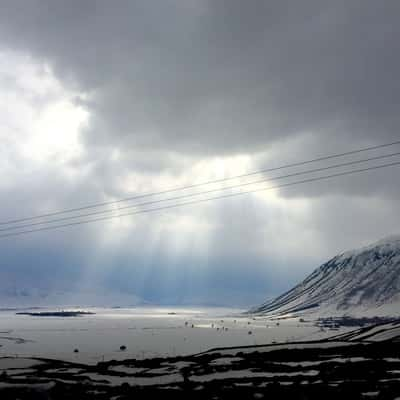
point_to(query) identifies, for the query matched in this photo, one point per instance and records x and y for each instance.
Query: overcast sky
(101, 100)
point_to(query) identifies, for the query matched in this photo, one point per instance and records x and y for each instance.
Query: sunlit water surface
(145, 331)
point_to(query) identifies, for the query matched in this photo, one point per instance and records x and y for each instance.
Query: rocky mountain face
(363, 280)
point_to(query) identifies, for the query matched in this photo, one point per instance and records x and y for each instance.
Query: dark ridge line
(317, 341)
(347, 336)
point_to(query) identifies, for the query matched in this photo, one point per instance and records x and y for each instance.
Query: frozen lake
(145, 331)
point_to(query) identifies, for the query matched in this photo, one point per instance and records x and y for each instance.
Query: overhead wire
(194, 185)
(190, 195)
(228, 195)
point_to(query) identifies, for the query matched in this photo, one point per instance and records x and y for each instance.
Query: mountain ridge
(365, 280)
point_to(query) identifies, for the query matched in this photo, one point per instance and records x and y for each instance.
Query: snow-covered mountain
(363, 281)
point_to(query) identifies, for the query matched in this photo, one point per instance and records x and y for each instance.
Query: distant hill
(33, 297)
(363, 281)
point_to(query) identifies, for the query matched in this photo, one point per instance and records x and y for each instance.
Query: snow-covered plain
(145, 331)
(348, 365)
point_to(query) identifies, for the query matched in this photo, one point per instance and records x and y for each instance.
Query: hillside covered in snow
(359, 282)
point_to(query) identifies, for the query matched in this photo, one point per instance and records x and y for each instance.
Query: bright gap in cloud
(55, 133)
(41, 119)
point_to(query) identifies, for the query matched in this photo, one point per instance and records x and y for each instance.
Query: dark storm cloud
(227, 76)
(168, 83)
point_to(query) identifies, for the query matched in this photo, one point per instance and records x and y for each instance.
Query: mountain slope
(364, 280)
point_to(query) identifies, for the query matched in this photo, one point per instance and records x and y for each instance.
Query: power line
(200, 200)
(261, 171)
(180, 197)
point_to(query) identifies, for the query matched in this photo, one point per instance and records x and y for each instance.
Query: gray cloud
(210, 77)
(171, 83)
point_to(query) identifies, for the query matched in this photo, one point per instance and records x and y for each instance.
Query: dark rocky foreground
(362, 365)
